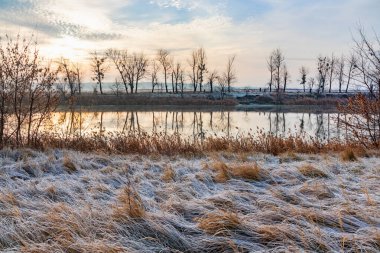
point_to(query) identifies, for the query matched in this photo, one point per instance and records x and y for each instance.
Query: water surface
(197, 123)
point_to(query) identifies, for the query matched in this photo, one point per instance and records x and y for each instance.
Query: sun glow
(67, 46)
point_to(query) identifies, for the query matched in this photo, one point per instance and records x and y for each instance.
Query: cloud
(249, 28)
(36, 15)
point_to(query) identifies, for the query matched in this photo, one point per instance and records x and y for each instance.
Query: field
(67, 201)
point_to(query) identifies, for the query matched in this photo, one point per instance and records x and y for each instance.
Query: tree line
(330, 71)
(162, 69)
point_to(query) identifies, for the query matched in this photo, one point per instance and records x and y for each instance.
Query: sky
(249, 29)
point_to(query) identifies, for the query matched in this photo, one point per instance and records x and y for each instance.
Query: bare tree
(271, 68)
(311, 83)
(323, 66)
(119, 59)
(230, 74)
(194, 73)
(78, 73)
(278, 61)
(141, 62)
(211, 79)
(340, 72)
(70, 77)
(176, 76)
(202, 59)
(303, 73)
(352, 63)
(331, 74)
(99, 69)
(367, 62)
(154, 74)
(130, 72)
(163, 56)
(182, 80)
(222, 82)
(285, 76)
(363, 120)
(116, 87)
(27, 91)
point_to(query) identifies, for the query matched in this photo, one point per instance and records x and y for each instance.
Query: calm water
(222, 123)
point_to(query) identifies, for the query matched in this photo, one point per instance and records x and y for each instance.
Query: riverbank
(67, 201)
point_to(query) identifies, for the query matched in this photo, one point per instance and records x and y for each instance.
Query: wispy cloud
(250, 28)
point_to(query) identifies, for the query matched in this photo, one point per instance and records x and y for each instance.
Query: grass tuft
(219, 223)
(129, 206)
(169, 174)
(247, 171)
(311, 171)
(69, 165)
(348, 155)
(221, 170)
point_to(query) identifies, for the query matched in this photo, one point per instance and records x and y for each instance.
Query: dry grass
(219, 223)
(68, 164)
(224, 172)
(348, 155)
(129, 206)
(123, 204)
(311, 171)
(8, 199)
(174, 144)
(169, 174)
(247, 171)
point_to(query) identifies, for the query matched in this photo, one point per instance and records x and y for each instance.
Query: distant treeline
(133, 67)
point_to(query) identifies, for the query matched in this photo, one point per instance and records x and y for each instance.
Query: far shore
(238, 101)
(200, 108)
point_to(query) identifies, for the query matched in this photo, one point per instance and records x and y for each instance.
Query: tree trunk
(166, 82)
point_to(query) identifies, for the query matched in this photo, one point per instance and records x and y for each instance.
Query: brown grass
(8, 199)
(219, 223)
(311, 171)
(222, 174)
(348, 155)
(175, 144)
(270, 233)
(129, 206)
(69, 165)
(169, 174)
(247, 171)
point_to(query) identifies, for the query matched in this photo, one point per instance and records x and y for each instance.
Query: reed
(175, 144)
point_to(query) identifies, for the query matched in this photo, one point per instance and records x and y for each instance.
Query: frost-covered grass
(66, 201)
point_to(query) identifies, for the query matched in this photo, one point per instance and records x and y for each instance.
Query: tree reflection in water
(196, 124)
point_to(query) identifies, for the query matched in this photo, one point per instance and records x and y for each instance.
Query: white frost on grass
(65, 201)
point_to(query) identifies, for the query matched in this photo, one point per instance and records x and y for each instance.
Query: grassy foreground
(67, 201)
